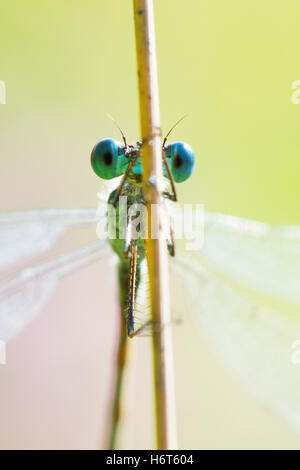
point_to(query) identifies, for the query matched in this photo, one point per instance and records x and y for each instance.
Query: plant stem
(156, 251)
(121, 357)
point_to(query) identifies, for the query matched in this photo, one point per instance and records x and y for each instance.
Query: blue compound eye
(107, 159)
(181, 159)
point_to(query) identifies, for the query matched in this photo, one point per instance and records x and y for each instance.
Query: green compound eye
(107, 159)
(181, 159)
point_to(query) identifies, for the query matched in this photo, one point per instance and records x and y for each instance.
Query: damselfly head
(110, 159)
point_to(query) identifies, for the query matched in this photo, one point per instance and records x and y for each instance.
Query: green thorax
(133, 192)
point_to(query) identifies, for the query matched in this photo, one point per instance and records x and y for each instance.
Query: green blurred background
(229, 66)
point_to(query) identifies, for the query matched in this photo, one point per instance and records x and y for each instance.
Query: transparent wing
(260, 257)
(259, 345)
(28, 233)
(23, 296)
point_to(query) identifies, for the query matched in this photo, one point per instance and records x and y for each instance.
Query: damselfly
(242, 268)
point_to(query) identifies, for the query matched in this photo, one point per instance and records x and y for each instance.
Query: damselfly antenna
(122, 133)
(173, 127)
